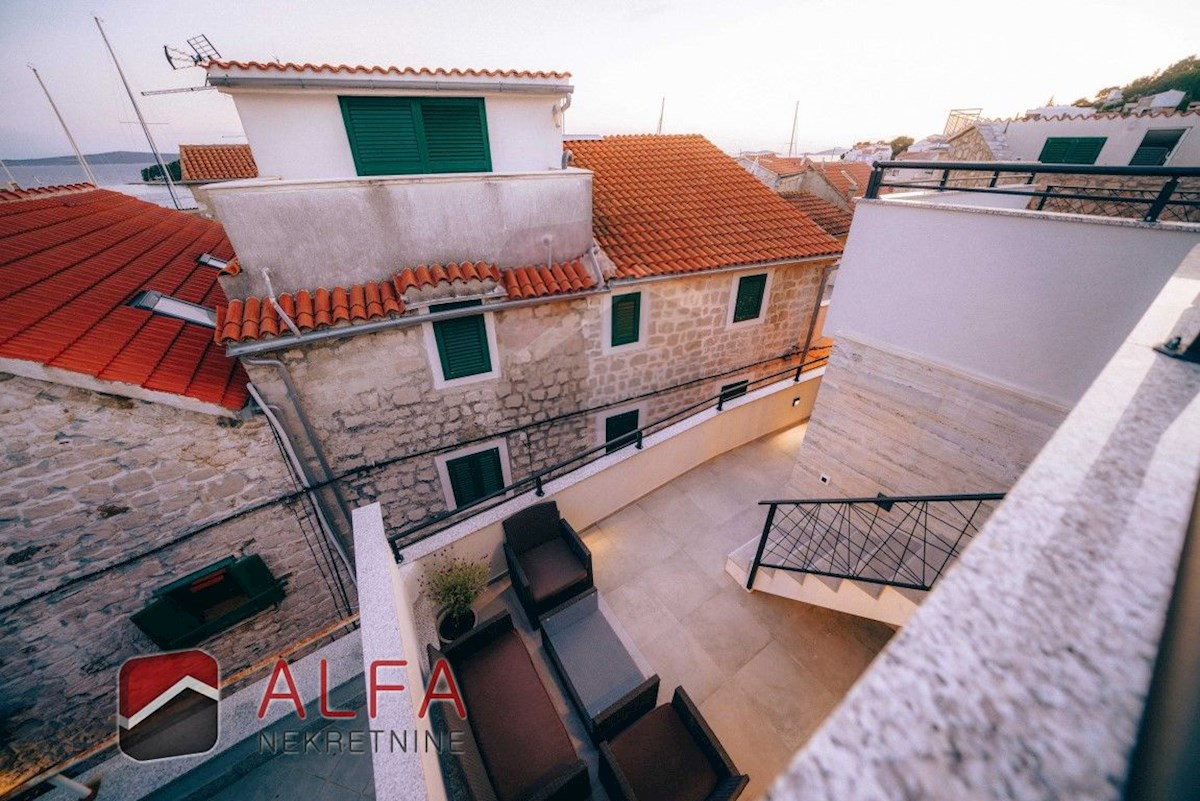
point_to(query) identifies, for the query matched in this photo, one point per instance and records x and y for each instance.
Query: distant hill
(111, 157)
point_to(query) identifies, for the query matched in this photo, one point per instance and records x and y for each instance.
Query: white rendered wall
(298, 134)
(1035, 301)
(1027, 137)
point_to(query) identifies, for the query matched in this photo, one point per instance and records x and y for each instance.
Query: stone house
(447, 335)
(133, 472)
(836, 182)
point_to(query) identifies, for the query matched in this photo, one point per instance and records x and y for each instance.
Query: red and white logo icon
(168, 705)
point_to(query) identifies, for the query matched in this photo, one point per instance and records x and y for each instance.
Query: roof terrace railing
(1152, 191)
(535, 482)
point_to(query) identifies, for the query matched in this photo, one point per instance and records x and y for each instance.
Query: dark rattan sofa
(514, 745)
(547, 561)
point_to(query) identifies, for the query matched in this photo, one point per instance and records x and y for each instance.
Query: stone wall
(99, 495)
(371, 397)
(892, 423)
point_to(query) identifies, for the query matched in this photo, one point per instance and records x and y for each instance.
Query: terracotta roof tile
(73, 258)
(436, 72)
(256, 318)
(848, 177)
(783, 165)
(21, 193)
(216, 162)
(832, 218)
(663, 205)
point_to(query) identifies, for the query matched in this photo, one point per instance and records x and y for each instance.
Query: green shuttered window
(750, 291)
(462, 345)
(475, 476)
(411, 135)
(626, 318)
(1072, 149)
(618, 430)
(1156, 146)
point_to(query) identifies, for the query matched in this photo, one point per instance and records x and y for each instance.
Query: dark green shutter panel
(1055, 150)
(1156, 147)
(165, 623)
(626, 318)
(256, 581)
(749, 297)
(734, 390)
(456, 135)
(463, 347)
(475, 476)
(618, 430)
(1072, 149)
(384, 135)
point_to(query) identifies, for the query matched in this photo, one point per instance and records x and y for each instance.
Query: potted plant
(454, 585)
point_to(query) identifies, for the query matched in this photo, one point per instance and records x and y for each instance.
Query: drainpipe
(275, 304)
(305, 481)
(812, 322)
(294, 399)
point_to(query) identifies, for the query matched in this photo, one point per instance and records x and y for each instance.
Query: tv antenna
(202, 50)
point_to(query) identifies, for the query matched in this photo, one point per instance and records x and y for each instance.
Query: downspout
(275, 305)
(294, 399)
(305, 480)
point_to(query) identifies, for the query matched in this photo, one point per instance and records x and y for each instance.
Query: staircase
(872, 557)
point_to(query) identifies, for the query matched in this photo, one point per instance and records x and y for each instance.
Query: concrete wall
(1037, 302)
(1026, 138)
(311, 234)
(893, 423)
(97, 491)
(300, 134)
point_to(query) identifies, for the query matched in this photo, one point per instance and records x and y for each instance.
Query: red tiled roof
(437, 72)
(783, 165)
(21, 193)
(665, 205)
(255, 318)
(848, 177)
(216, 162)
(72, 261)
(833, 219)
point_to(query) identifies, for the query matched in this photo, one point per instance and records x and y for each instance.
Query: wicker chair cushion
(661, 761)
(551, 567)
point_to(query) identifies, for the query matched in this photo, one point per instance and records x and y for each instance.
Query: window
(464, 344)
(173, 307)
(410, 135)
(208, 601)
(619, 430)
(748, 300)
(209, 260)
(626, 318)
(1156, 147)
(734, 390)
(475, 476)
(1072, 149)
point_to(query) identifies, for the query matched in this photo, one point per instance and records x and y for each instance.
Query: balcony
(337, 232)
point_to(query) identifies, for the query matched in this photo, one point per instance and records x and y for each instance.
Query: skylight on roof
(209, 260)
(168, 306)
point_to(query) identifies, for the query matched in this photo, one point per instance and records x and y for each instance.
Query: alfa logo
(167, 705)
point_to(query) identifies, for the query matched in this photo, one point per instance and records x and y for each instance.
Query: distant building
(837, 182)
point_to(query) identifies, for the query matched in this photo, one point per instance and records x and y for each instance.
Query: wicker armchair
(670, 754)
(547, 561)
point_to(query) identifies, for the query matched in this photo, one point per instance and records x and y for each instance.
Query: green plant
(455, 584)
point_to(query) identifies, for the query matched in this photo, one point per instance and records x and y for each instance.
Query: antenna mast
(12, 182)
(87, 171)
(661, 110)
(792, 141)
(137, 110)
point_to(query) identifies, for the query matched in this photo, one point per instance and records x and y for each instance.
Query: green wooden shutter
(1156, 146)
(257, 581)
(749, 297)
(475, 476)
(734, 390)
(165, 623)
(456, 134)
(384, 135)
(618, 430)
(626, 318)
(1072, 149)
(463, 346)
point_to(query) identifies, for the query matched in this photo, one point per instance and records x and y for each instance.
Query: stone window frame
(435, 357)
(732, 302)
(602, 416)
(607, 348)
(440, 460)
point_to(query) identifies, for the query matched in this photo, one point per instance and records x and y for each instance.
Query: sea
(126, 178)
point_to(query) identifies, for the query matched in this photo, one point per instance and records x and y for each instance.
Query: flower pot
(451, 627)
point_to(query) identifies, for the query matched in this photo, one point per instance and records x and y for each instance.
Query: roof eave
(314, 82)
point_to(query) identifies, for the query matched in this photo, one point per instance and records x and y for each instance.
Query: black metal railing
(536, 481)
(1165, 764)
(1021, 178)
(904, 541)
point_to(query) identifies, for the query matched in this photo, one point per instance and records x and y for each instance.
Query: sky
(732, 71)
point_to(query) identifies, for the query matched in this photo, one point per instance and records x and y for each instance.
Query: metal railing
(1021, 178)
(536, 481)
(905, 541)
(1165, 765)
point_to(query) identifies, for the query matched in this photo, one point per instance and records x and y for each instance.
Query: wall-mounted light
(795, 402)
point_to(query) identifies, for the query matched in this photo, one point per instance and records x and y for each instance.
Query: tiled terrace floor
(764, 670)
